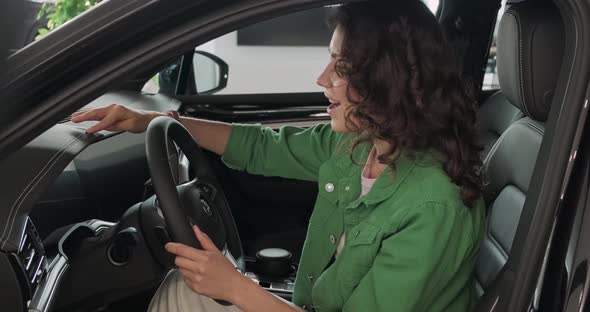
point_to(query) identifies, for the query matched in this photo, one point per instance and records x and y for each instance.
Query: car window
(490, 80)
(281, 55)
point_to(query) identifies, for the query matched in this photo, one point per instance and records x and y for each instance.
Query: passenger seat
(530, 51)
(499, 111)
(496, 114)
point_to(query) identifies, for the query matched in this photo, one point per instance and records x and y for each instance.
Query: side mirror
(197, 72)
(210, 72)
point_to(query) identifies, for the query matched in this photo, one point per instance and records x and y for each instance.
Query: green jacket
(411, 244)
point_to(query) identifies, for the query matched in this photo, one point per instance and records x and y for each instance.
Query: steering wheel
(200, 201)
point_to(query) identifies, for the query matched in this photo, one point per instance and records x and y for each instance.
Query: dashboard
(63, 174)
(60, 163)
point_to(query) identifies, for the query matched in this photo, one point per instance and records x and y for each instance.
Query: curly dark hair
(398, 61)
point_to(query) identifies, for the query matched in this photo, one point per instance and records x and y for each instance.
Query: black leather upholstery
(509, 167)
(528, 63)
(496, 115)
(534, 34)
(30, 171)
(530, 41)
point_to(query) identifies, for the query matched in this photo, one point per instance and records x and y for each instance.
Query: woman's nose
(324, 79)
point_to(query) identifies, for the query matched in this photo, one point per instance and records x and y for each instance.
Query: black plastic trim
(43, 298)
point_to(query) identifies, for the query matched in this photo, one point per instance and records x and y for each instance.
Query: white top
(366, 185)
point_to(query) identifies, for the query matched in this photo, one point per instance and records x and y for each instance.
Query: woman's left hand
(206, 271)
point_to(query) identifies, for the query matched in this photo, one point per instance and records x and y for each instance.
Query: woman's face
(335, 86)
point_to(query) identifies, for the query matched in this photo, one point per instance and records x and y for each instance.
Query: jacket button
(347, 188)
(329, 187)
(332, 239)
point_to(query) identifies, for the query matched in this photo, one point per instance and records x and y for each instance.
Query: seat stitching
(534, 126)
(524, 121)
(531, 125)
(493, 150)
(539, 126)
(520, 60)
(29, 188)
(36, 179)
(497, 244)
(51, 163)
(31, 181)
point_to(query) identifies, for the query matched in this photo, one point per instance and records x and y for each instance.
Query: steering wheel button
(329, 187)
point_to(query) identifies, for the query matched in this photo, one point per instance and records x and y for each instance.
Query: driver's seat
(530, 50)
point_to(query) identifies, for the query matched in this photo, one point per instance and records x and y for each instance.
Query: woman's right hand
(210, 135)
(116, 117)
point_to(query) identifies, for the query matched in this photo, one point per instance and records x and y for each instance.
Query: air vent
(32, 255)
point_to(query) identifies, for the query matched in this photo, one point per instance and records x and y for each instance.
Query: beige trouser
(175, 296)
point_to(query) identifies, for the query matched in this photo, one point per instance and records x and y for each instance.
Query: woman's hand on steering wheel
(208, 271)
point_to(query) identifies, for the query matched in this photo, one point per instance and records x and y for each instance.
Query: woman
(399, 216)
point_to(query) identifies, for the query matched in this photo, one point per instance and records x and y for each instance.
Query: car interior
(521, 109)
(93, 240)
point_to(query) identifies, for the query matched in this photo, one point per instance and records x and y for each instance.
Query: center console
(94, 264)
(111, 254)
(273, 269)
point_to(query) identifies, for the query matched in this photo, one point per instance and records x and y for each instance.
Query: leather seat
(496, 114)
(530, 50)
(498, 111)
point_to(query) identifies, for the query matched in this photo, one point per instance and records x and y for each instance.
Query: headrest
(530, 50)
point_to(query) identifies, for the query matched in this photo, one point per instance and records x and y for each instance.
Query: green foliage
(61, 11)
